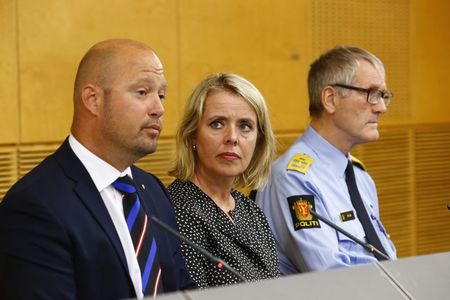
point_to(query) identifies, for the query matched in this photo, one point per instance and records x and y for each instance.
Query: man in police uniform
(347, 92)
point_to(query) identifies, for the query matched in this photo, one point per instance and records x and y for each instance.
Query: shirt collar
(102, 173)
(325, 151)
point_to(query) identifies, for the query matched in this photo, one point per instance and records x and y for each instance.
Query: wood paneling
(54, 35)
(9, 88)
(430, 60)
(31, 155)
(370, 24)
(265, 41)
(8, 168)
(432, 168)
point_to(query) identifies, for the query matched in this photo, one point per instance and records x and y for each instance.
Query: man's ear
(329, 98)
(91, 97)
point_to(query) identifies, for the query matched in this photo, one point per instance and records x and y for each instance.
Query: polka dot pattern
(247, 245)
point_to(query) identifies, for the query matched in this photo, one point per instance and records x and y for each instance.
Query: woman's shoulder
(244, 201)
(178, 189)
(183, 193)
(251, 218)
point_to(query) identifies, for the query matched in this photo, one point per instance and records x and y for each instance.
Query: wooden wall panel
(9, 88)
(46, 70)
(53, 36)
(265, 41)
(432, 168)
(8, 168)
(382, 27)
(31, 155)
(431, 60)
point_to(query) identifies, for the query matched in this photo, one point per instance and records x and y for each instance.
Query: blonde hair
(258, 170)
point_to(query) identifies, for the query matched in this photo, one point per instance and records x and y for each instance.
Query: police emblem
(299, 207)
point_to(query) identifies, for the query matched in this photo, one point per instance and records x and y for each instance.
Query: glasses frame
(383, 94)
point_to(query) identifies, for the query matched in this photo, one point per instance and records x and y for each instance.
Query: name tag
(347, 216)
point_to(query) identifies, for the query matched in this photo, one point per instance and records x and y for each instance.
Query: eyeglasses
(374, 95)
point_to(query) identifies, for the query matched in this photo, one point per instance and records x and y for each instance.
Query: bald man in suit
(63, 234)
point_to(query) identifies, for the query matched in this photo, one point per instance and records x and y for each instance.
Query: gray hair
(337, 65)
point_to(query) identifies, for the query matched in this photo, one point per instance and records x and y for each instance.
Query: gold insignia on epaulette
(300, 163)
(358, 163)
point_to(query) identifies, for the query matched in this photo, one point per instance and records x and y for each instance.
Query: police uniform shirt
(311, 174)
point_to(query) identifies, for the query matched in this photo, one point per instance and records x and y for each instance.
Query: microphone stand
(220, 263)
(367, 246)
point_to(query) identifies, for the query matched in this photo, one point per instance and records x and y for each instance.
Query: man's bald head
(98, 66)
(118, 95)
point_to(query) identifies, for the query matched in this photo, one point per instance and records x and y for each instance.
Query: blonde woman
(225, 140)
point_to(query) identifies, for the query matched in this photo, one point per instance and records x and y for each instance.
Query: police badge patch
(300, 206)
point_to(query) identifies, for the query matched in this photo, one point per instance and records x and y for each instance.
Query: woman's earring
(194, 148)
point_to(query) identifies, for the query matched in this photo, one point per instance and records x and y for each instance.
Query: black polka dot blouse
(247, 245)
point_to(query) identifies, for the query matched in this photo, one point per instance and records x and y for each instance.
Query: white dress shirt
(103, 175)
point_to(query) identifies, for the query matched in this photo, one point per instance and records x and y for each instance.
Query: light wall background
(270, 42)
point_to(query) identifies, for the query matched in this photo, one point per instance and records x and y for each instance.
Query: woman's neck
(218, 190)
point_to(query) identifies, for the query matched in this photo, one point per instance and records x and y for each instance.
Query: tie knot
(125, 184)
(349, 169)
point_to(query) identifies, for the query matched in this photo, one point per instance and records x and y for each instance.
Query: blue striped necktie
(143, 240)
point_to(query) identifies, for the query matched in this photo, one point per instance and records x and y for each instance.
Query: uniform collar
(325, 151)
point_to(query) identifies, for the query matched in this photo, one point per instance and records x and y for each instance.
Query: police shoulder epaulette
(358, 163)
(300, 162)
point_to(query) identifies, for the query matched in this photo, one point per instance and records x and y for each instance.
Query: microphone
(219, 263)
(367, 246)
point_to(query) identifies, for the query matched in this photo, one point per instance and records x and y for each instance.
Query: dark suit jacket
(57, 240)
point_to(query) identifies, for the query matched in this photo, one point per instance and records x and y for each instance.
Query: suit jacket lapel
(88, 194)
(144, 189)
